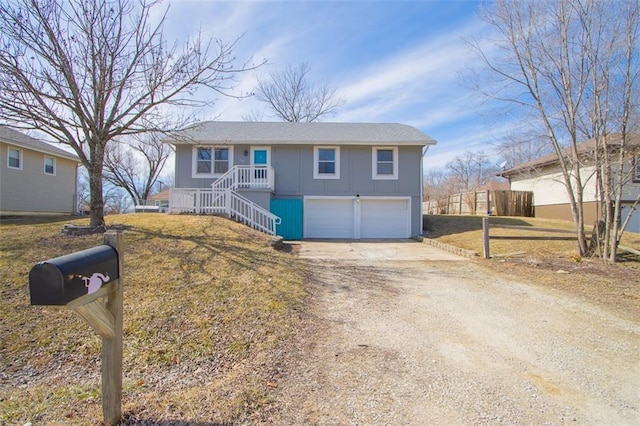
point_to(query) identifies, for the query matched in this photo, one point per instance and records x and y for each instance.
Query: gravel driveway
(403, 333)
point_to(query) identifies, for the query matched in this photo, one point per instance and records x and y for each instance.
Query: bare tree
(136, 167)
(559, 59)
(436, 184)
(470, 170)
(86, 72)
(116, 200)
(293, 98)
(516, 149)
(83, 198)
(613, 105)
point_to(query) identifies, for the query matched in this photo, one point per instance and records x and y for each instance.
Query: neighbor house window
(385, 162)
(636, 168)
(49, 166)
(14, 158)
(211, 161)
(326, 162)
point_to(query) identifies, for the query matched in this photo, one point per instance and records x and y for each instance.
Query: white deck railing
(251, 214)
(222, 198)
(250, 177)
(193, 200)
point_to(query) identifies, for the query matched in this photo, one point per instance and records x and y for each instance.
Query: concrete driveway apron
(373, 251)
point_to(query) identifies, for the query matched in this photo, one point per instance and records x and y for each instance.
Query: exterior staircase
(223, 198)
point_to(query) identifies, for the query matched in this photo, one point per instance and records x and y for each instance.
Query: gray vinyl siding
(260, 197)
(294, 173)
(293, 166)
(31, 190)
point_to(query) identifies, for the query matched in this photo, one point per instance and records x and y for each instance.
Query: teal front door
(260, 157)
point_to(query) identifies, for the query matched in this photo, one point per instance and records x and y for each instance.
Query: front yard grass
(466, 232)
(207, 306)
(547, 258)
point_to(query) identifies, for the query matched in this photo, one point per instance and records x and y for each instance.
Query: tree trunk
(597, 237)
(615, 231)
(96, 205)
(577, 207)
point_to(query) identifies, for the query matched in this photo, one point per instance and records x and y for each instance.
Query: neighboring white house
(544, 178)
(304, 180)
(35, 176)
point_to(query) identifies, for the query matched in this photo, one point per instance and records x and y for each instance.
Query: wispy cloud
(419, 78)
(390, 64)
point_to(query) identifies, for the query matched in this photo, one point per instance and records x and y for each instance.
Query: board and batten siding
(31, 190)
(294, 178)
(293, 166)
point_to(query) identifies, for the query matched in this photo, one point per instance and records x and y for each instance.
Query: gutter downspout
(424, 152)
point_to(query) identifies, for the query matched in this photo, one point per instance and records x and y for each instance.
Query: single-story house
(36, 176)
(304, 180)
(544, 178)
(160, 199)
(158, 203)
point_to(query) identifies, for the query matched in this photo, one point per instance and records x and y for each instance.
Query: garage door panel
(384, 219)
(329, 218)
(349, 218)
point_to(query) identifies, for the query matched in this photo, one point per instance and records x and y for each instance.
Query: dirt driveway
(403, 333)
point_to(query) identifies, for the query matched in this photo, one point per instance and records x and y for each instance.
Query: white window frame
(194, 161)
(54, 165)
(316, 163)
(374, 163)
(20, 158)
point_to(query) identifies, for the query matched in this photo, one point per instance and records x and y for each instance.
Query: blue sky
(392, 61)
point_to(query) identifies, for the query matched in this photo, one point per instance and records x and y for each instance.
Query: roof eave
(298, 142)
(70, 156)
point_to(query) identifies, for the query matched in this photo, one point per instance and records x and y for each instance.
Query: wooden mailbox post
(90, 283)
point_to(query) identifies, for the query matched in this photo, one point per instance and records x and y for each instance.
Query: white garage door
(329, 218)
(384, 218)
(347, 218)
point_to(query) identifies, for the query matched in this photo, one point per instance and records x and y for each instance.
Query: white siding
(550, 189)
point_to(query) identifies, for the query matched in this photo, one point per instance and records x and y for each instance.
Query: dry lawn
(208, 305)
(210, 308)
(548, 258)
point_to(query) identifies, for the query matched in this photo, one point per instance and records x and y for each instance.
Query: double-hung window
(14, 158)
(636, 168)
(385, 162)
(326, 162)
(211, 161)
(49, 166)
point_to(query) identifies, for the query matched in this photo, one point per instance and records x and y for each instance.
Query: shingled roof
(13, 137)
(266, 133)
(584, 148)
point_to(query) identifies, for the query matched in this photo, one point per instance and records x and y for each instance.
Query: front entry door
(260, 157)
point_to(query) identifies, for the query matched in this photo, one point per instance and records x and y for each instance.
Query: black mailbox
(59, 281)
